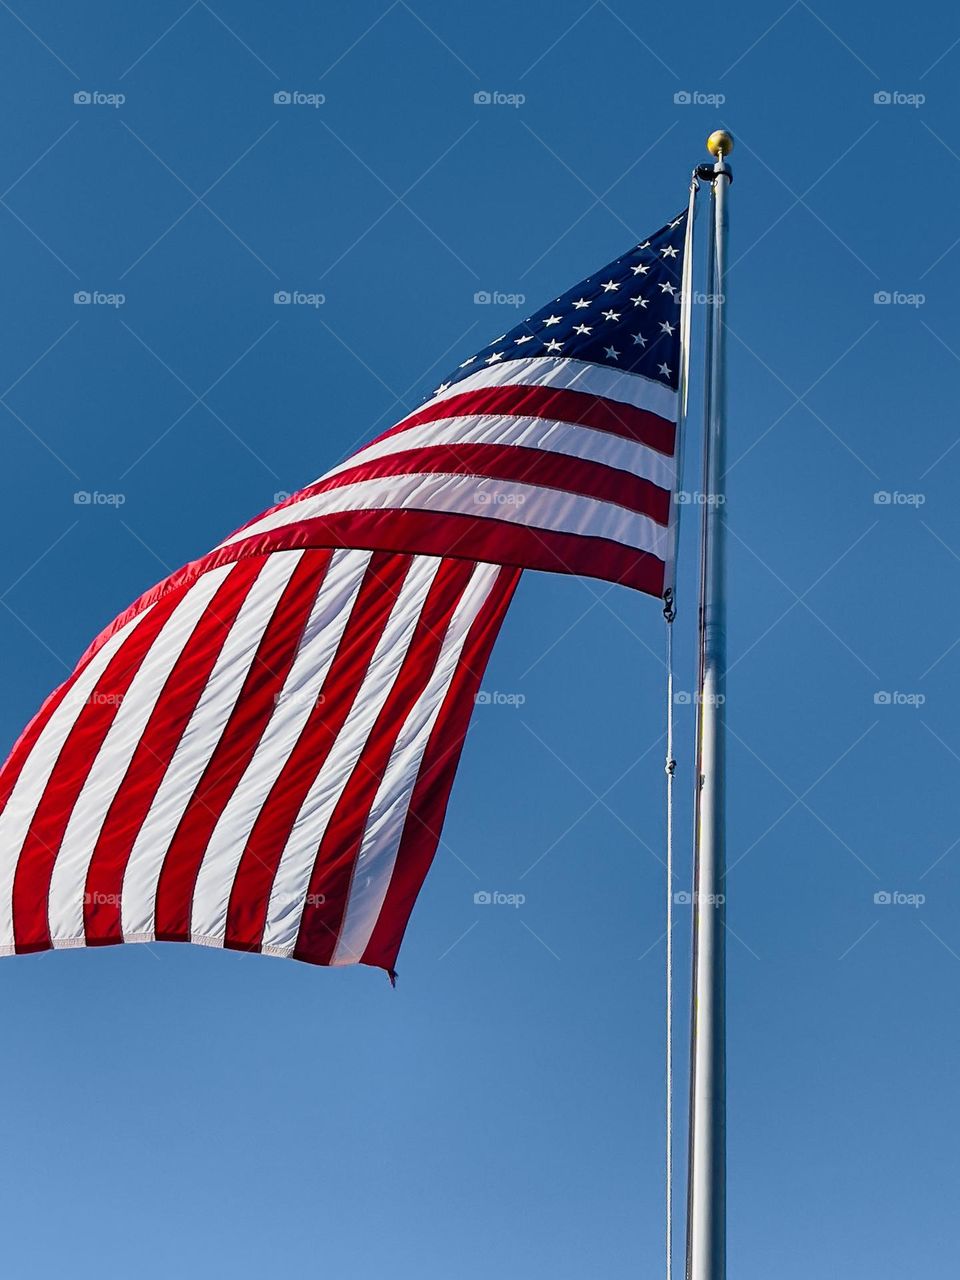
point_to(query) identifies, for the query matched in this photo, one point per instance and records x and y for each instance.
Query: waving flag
(258, 753)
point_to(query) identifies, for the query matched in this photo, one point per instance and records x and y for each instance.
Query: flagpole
(706, 1185)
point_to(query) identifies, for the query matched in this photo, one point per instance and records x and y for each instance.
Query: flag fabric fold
(258, 758)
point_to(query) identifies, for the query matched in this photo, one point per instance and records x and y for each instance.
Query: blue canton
(627, 316)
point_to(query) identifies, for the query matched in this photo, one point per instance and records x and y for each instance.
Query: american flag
(259, 752)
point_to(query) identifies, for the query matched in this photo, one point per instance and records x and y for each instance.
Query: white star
(611, 353)
(639, 340)
(668, 288)
(645, 245)
(676, 222)
(581, 303)
(610, 285)
(582, 328)
(552, 320)
(664, 369)
(492, 359)
(640, 269)
(527, 337)
(554, 345)
(496, 340)
(667, 327)
(442, 387)
(611, 315)
(669, 251)
(469, 360)
(640, 301)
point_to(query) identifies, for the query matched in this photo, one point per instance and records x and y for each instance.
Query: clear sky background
(172, 1110)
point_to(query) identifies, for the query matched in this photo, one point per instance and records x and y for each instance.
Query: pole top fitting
(720, 143)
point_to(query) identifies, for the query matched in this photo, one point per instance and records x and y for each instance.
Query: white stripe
(388, 814)
(67, 883)
(574, 375)
(544, 434)
(198, 743)
(296, 863)
(524, 504)
(28, 790)
(298, 698)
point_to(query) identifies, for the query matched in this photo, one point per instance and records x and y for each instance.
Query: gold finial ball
(720, 143)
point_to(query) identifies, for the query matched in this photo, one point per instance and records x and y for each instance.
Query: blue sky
(176, 1109)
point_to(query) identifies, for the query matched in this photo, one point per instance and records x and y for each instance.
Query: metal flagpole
(706, 1186)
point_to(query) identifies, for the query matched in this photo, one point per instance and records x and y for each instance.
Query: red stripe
(250, 895)
(154, 751)
(515, 463)
(428, 803)
(440, 533)
(579, 408)
(31, 884)
(253, 709)
(329, 886)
